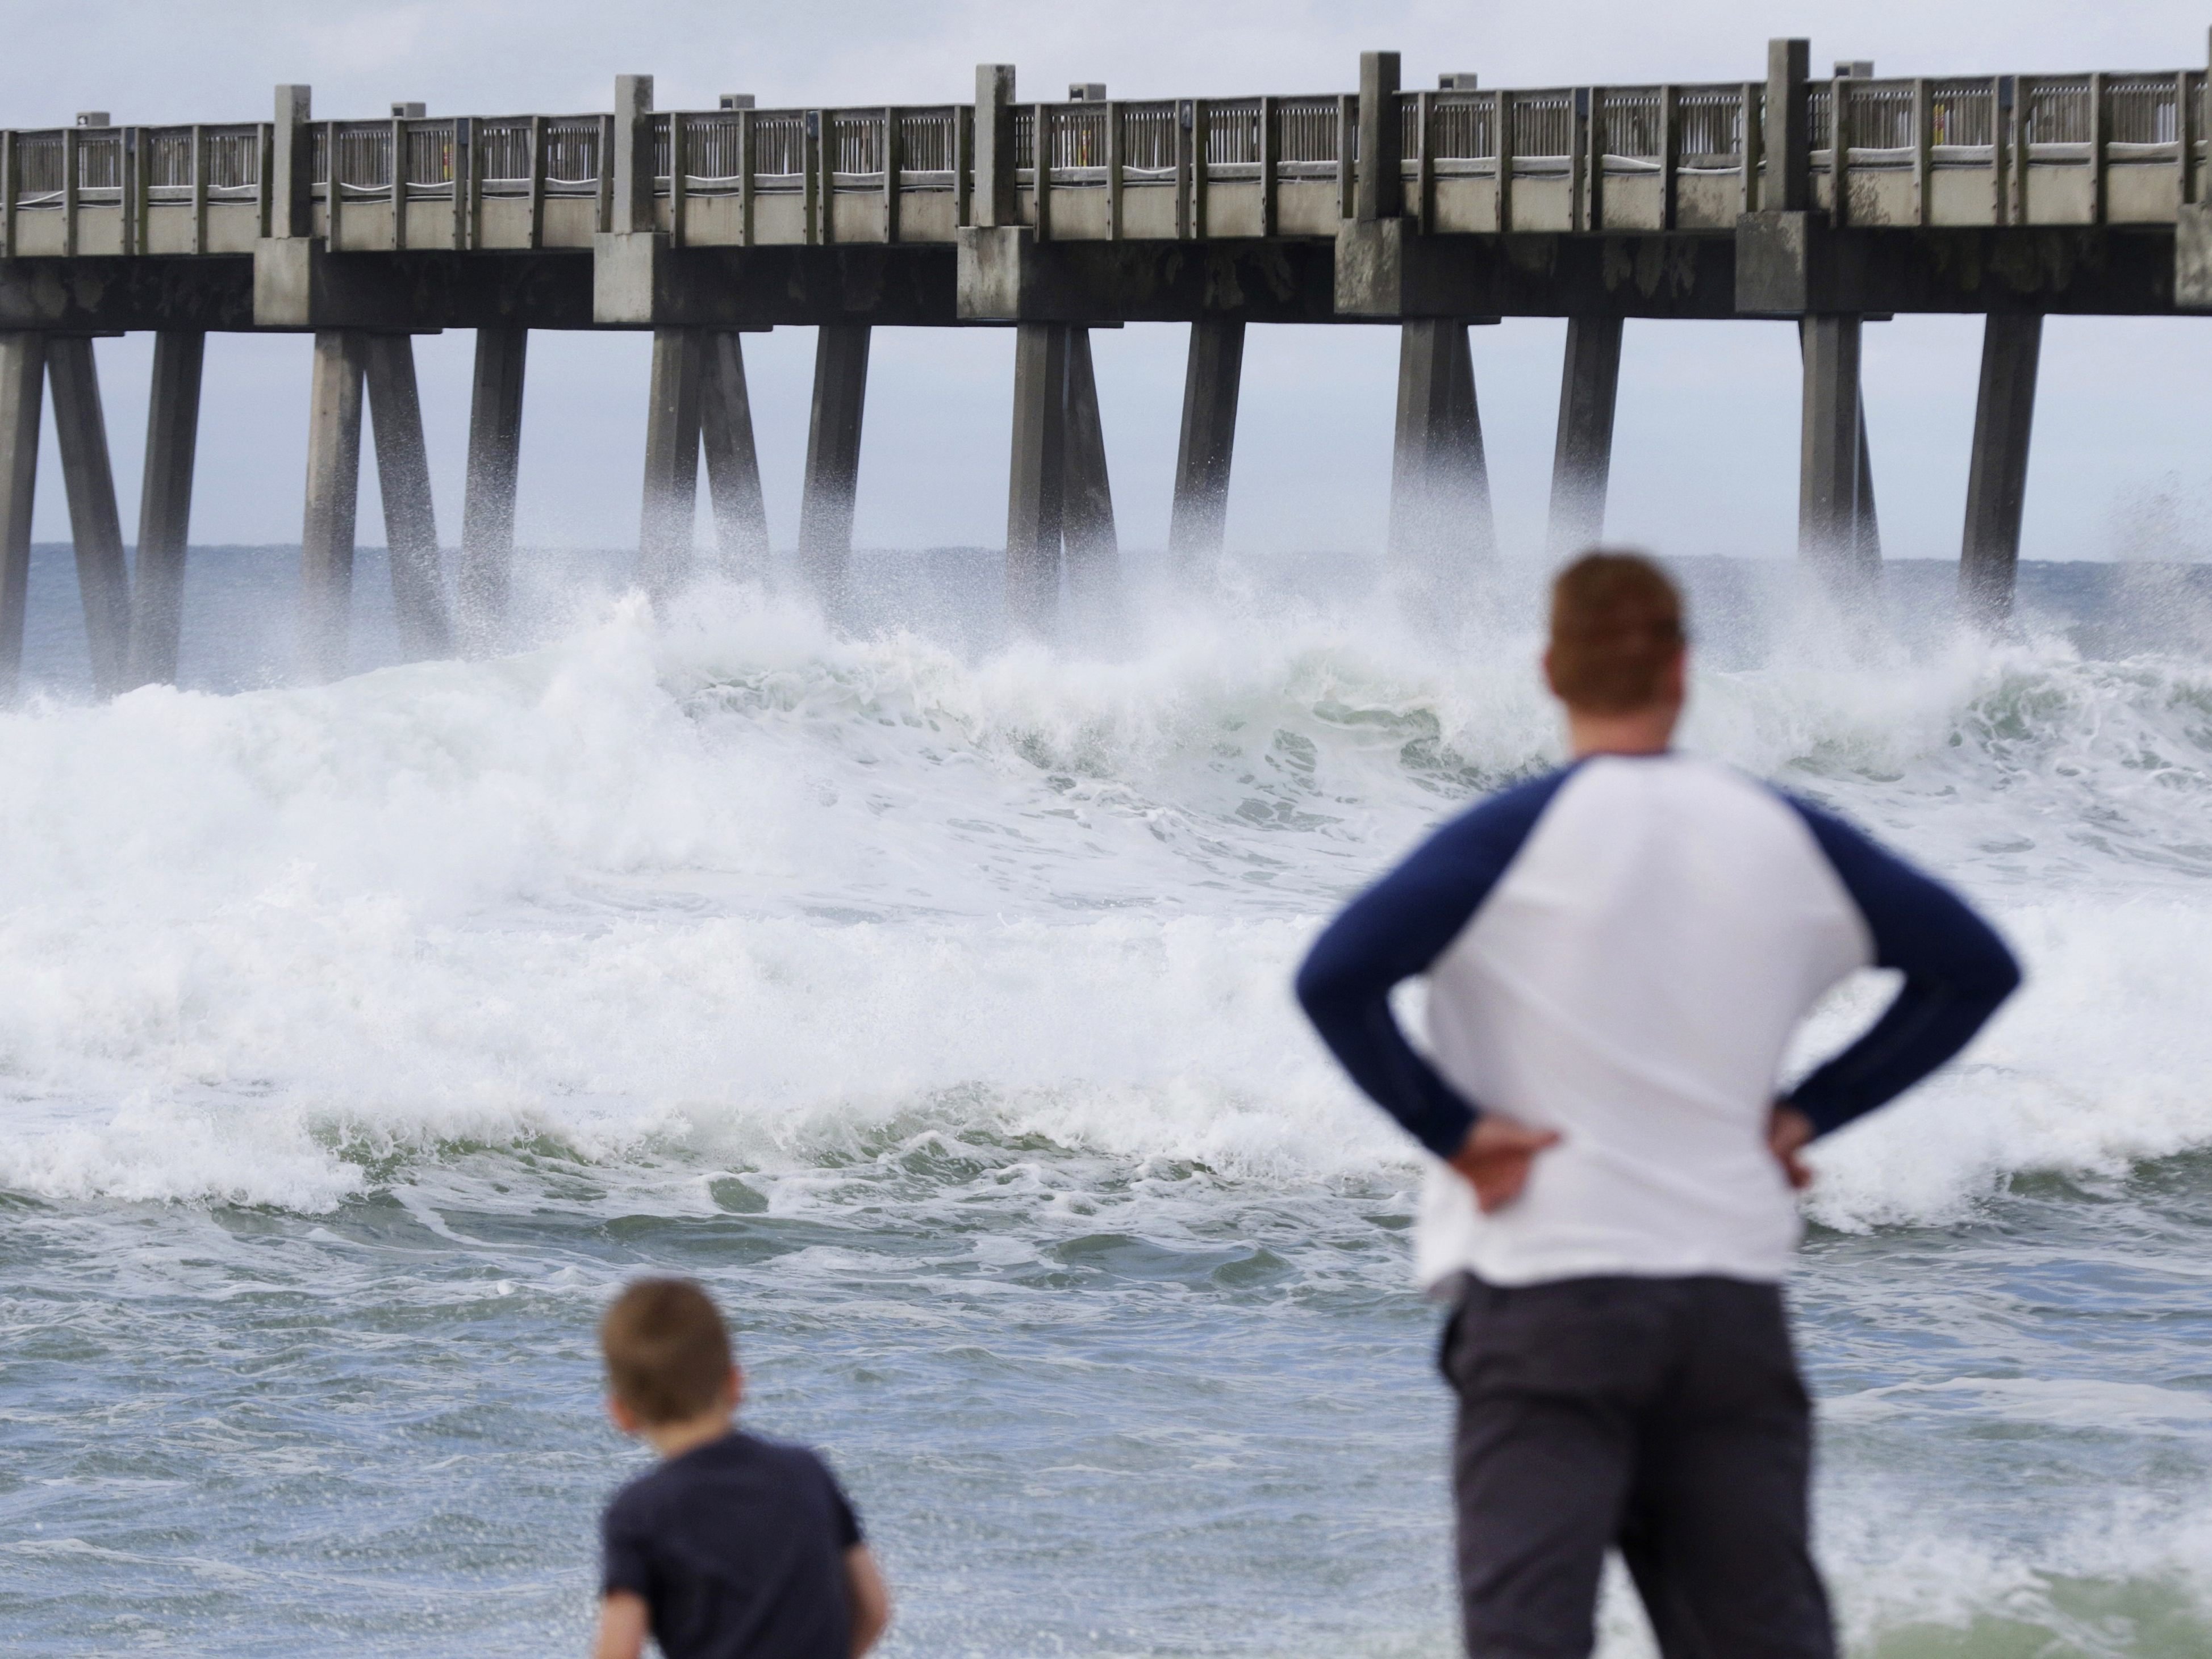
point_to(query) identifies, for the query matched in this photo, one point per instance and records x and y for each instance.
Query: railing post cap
(634, 95)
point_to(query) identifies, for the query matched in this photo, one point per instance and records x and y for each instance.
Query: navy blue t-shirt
(738, 1548)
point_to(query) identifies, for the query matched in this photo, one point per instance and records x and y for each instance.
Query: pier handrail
(2094, 147)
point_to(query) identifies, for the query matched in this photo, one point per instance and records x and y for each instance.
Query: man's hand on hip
(1495, 1158)
(1789, 1131)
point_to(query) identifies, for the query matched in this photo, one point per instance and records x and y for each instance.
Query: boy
(734, 1547)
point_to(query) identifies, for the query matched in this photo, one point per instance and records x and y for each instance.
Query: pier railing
(2072, 149)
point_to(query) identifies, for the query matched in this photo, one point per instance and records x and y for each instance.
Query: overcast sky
(1705, 450)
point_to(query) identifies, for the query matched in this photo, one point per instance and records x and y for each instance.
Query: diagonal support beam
(1199, 518)
(1093, 552)
(668, 518)
(1833, 491)
(1996, 481)
(1036, 494)
(102, 577)
(165, 506)
(403, 478)
(488, 505)
(1441, 522)
(1581, 454)
(833, 459)
(733, 481)
(22, 403)
(326, 536)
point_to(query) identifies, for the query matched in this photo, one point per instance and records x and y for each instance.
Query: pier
(1827, 200)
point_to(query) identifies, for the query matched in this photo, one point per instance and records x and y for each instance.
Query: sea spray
(929, 998)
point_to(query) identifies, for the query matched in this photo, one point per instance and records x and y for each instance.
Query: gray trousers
(1663, 1416)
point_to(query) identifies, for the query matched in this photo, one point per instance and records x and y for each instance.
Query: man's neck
(1636, 732)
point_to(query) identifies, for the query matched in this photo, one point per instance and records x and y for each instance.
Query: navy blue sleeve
(843, 1520)
(1393, 932)
(623, 1565)
(1956, 970)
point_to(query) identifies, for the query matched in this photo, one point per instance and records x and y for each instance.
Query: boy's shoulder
(738, 1466)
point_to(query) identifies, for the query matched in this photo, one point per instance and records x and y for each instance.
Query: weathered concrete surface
(1788, 265)
(298, 283)
(1006, 275)
(639, 281)
(1387, 271)
(211, 291)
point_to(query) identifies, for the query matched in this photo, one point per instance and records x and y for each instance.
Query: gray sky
(1705, 453)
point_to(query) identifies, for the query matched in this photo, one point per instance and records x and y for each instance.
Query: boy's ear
(737, 1385)
(623, 1416)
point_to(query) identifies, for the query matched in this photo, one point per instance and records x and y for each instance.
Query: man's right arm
(1396, 930)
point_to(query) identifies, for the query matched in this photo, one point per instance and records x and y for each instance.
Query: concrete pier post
(291, 163)
(488, 505)
(1868, 522)
(633, 170)
(733, 482)
(1035, 496)
(833, 458)
(994, 201)
(22, 402)
(1786, 139)
(670, 513)
(1211, 377)
(102, 577)
(1378, 190)
(1094, 554)
(403, 478)
(1440, 513)
(1832, 442)
(1582, 453)
(1997, 481)
(165, 506)
(333, 493)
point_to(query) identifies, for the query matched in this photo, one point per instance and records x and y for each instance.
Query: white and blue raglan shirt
(1621, 951)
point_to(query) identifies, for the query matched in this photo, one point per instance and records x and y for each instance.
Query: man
(1617, 954)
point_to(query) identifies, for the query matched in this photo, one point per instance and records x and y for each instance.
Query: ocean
(927, 995)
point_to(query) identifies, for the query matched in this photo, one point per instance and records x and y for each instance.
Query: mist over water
(927, 994)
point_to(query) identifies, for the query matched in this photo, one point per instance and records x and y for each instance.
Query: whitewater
(927, 995)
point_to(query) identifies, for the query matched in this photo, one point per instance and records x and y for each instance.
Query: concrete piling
(1441, 524)
(1832, 442)
(1582, 453)
(1996, 479)
(833, 459)
(488, 505)
(1866, 519)
(326, 536)
(165, 506)
(733, 482)
(672, 461)
(22, 402)
(103, 578)
(1093, 552)
(403, 478)
(1211, 377)
(1036, 498)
